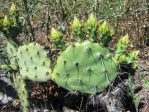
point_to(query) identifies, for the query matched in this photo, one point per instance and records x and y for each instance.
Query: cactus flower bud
(123, 44)
(121, 58)
(132, 56)
(6, 22)
(55, 35)
(76, 24)
(135, 54)
(77, 29)
(105, 27)
(92, 21)
(105, 33)
(92, 27)
(124, 40)
(57, 38)
(12, 9)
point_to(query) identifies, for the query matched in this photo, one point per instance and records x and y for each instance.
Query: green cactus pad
(20, 86)
(11, 52)
(85, 67)
(34, 64)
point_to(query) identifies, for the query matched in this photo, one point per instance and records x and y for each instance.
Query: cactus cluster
(33, 62)
(87, 66)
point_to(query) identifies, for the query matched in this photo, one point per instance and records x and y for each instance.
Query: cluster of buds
(121, 56)
(96, 31)
(10, 20)
(93, 29)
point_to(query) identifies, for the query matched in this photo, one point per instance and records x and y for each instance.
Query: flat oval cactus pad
(85, 67)
(34, 64)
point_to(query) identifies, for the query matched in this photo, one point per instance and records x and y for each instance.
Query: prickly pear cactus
(34, 64)
(20, 86)
(85, 67)
(11, 52)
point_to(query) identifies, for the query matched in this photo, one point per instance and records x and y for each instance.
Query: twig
(47, 20)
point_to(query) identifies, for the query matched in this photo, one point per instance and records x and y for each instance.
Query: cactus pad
(11, 52)
(85, 67)
(20, 86)
(34, 63)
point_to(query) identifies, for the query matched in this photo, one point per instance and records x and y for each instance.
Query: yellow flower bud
(105, 27)
(12, 9)
(6, 22)
(76, 24)
(55, 35)
(120, 58)
(134, 54)
(92, 20)
(124, 40)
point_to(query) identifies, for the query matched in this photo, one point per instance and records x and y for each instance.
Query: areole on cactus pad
(85, 67)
